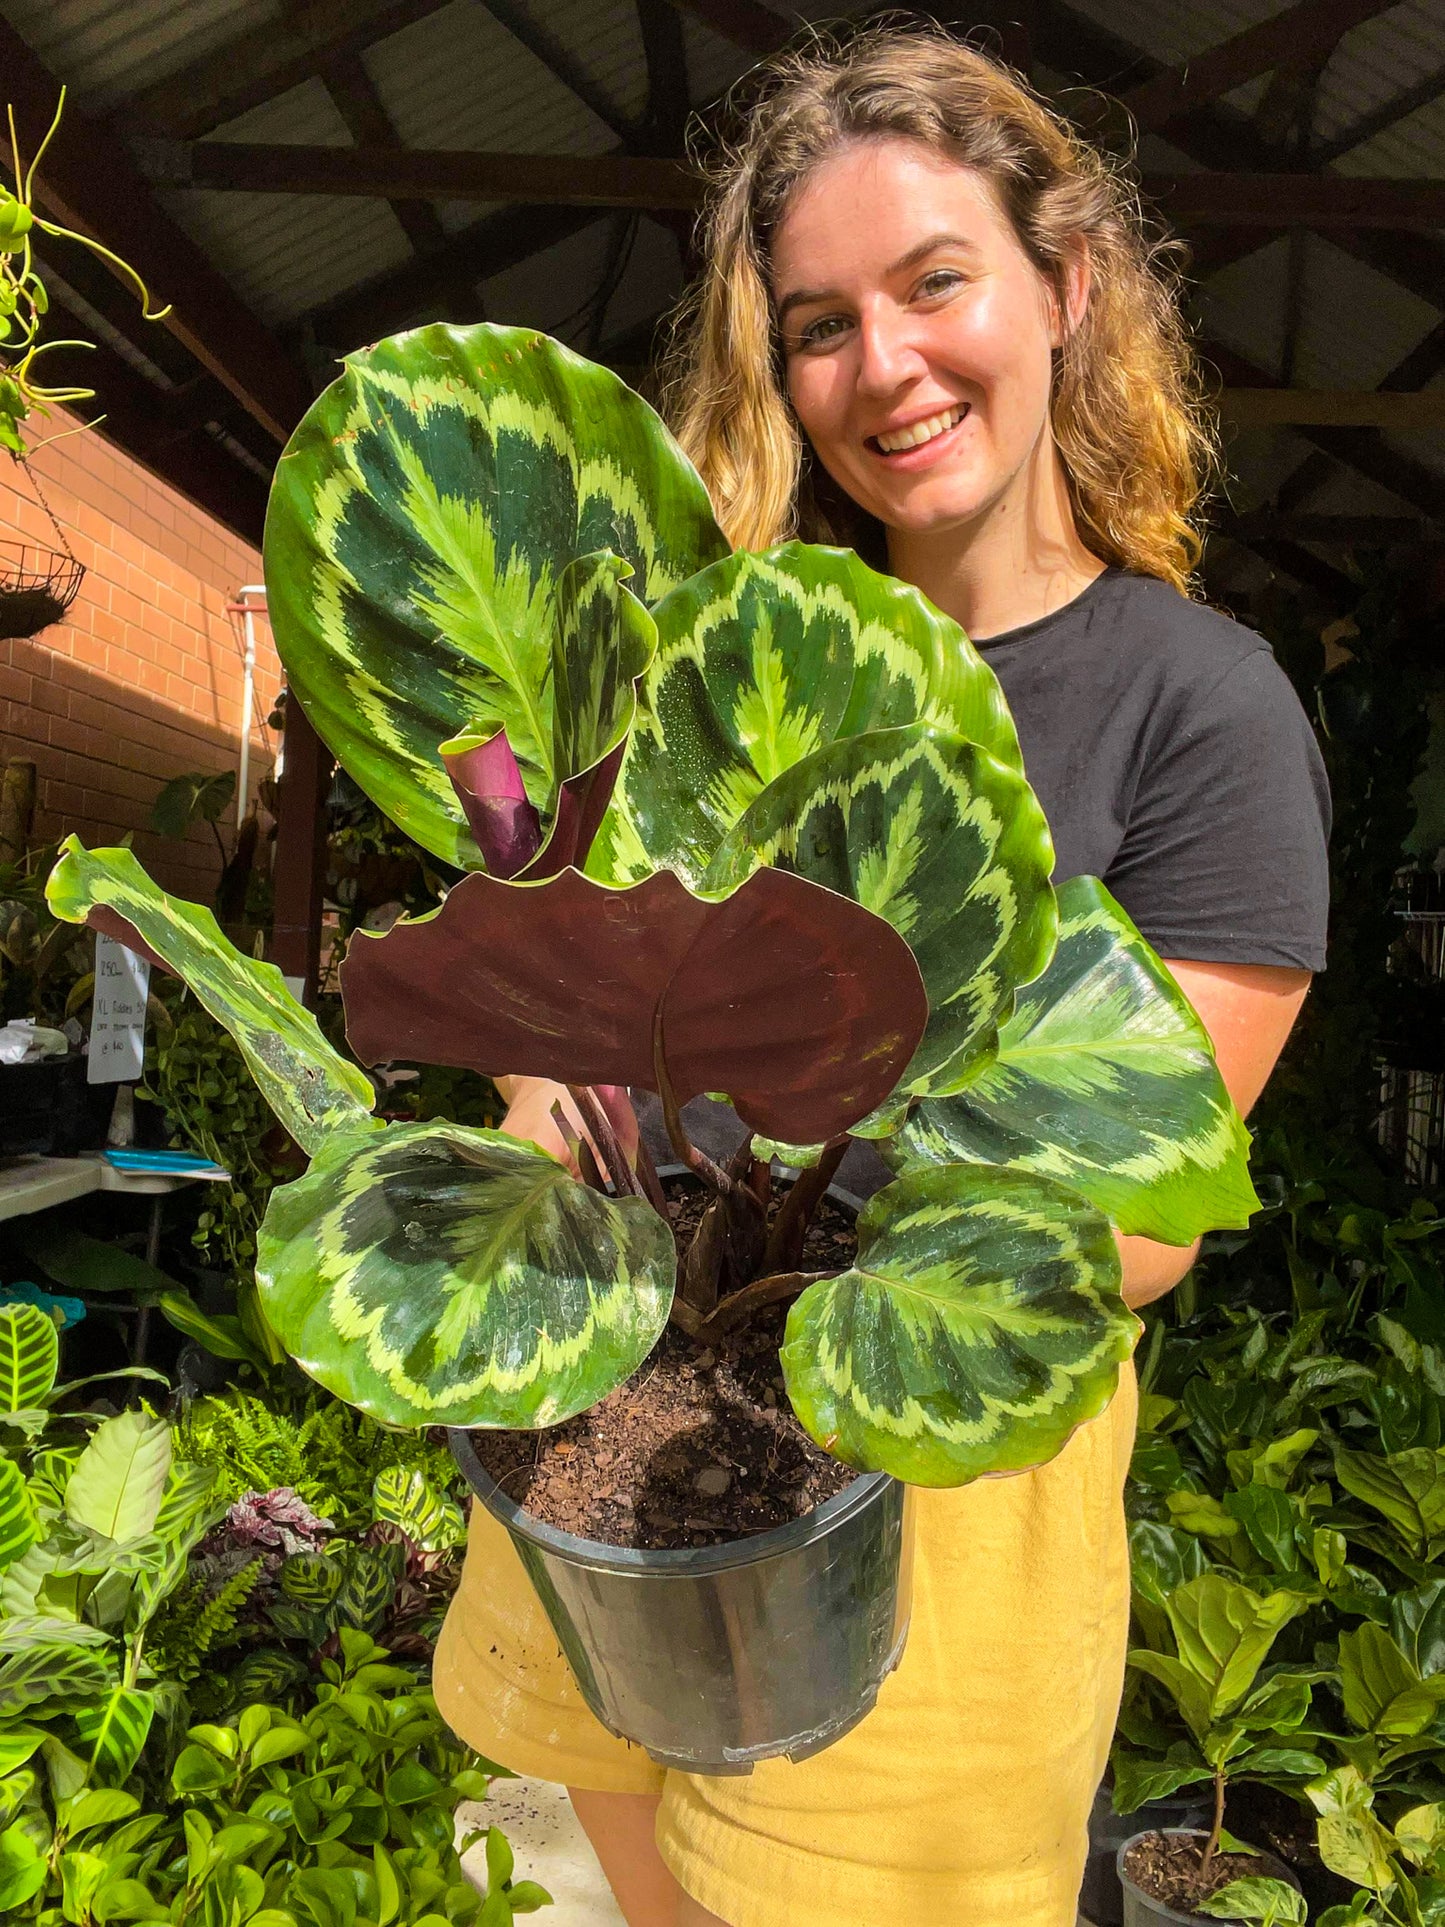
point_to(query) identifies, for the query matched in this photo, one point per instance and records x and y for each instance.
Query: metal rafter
(90, 182)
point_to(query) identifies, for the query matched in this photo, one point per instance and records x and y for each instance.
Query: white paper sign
(118, 1014)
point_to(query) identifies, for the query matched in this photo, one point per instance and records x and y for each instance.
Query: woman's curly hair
(1129, 414)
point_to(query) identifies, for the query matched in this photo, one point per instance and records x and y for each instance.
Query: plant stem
(737, 1308)
(785, 1241)
(696, 1161)
(1211, 1846)
(609, 1150)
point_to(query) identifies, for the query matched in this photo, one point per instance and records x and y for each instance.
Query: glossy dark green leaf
(1104, 1079)
(438, 1275)
(935, 836)
(421, 518)
(980, 1325)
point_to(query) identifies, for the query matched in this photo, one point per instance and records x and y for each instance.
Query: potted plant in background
(747, 824)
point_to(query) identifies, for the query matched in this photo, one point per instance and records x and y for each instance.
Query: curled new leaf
(422, 520)
(311, 1088)
(438, 1275)
(803, 1006)
(1104, 1079)
(980, 1324)
(763, 660)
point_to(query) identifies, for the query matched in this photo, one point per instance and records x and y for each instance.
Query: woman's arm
(1248, 1010)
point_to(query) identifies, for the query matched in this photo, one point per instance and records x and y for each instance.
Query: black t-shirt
(1173, 760)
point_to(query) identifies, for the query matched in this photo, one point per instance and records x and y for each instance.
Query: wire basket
(37, 586)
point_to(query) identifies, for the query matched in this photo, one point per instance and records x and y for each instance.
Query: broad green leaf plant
(750, 824)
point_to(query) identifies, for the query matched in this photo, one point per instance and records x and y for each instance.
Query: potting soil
(1168, 1870)
(699, 1447)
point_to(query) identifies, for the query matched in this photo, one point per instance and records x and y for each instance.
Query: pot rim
(1279, 1870)
(674, 1561)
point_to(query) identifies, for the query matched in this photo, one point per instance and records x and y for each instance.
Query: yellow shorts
(962, 1800)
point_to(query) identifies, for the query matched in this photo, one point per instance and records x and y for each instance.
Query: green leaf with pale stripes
(19, 1632)
(312, 1088)
(17, 1745)
(938, 838)
(119, 1478)
(112, 1732)
(190, 1506)
(41, 1673)
(440, 1275)
(980, 1324)
(405, 1497)
(1105, 1079)
(421, 518)
(763, 660)
(19, 1528)
(29, 1358)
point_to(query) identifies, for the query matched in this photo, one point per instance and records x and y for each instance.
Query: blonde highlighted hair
(1128, 411)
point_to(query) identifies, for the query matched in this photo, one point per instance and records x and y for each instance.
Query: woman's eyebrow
(804, 297)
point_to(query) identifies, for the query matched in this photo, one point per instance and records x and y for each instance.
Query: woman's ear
(1078, 280)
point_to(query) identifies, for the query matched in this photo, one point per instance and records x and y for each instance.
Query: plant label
(118, 1020)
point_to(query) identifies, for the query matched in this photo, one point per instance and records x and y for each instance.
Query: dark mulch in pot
(644, 1467)
(1168, 1870)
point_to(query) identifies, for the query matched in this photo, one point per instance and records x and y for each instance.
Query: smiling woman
(931, 326)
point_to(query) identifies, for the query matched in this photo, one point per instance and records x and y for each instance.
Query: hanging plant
(37, 583)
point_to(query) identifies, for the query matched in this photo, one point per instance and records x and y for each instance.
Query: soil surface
(1168, 1870)
(699, 1447)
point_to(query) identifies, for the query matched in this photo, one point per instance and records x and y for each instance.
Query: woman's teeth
(920, 432)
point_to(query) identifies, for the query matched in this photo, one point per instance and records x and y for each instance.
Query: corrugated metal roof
(107, 50)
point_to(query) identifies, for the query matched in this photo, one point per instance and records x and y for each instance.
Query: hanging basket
(37, 586)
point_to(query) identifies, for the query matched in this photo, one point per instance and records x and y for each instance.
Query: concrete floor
(551, 1847)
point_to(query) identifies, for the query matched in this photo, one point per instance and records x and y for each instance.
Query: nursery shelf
(35, 1183)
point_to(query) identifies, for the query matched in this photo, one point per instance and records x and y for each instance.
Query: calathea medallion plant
(748, 824)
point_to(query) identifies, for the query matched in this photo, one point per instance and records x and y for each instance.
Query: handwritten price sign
(118, 1019)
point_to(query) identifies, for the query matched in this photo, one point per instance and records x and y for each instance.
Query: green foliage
(341, 1813)
(45, 964)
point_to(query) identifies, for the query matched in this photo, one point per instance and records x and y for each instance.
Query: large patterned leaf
(29, 1358)
(419, 522)
(119, 1478)
(932, 834)
(311, 1088)
(803, 1007)
(981, 1323)
(1105, 1079)
(436, 1275)
(39, 1673)
(406, 1498)
(19, 1528)
(112, 1731)
(763, 660)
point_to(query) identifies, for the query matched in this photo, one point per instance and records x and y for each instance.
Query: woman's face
(918, 336)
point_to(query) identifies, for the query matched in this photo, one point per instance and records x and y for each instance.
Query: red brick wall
(143, 680)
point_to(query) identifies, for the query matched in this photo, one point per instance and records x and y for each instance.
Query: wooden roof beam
(1307, 28)
(369, 125)
(266, 61)
(90, 182)
(643, 181)
(561, 62)
(746, 23)
(1421, 93)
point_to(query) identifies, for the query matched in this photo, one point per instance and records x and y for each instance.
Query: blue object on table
(170, 1164)
(70, 1310)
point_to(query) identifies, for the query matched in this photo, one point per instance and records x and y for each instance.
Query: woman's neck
(1017, 561)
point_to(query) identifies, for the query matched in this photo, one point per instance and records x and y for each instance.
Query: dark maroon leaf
(800, 1004)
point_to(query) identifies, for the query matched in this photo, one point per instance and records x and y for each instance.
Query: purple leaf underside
(799, 1003)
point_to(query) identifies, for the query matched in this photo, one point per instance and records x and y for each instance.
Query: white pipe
(248, 692)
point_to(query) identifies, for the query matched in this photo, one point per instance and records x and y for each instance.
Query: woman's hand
(531, 1102)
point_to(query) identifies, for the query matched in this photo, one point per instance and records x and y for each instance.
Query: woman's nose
(888, 354)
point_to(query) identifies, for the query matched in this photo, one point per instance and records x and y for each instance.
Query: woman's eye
(941, 281)
(826, 328)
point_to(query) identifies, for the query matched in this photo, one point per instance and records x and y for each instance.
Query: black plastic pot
(48, 1108)
(1101, 1899)
(715, 1658)
(1142, 1910)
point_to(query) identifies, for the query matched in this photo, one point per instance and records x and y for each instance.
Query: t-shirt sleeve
(1224, 857)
